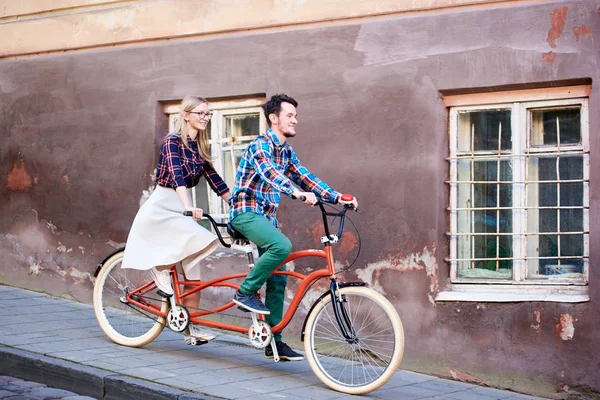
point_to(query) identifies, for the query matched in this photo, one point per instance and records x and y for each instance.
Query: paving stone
(469, 394)
(404, 392)
(5, 393)
(124, 388)
(443, 385)
(50, 392)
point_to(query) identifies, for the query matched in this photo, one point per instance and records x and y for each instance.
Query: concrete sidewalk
(58, 342)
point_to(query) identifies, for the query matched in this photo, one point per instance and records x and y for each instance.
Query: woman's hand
(196, 213)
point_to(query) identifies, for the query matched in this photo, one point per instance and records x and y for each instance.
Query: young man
(267, 170)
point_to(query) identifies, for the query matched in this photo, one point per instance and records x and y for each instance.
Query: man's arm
(309, 182)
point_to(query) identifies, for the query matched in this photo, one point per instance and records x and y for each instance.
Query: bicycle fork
(341, 315)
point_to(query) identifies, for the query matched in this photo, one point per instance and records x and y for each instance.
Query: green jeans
(273, 248)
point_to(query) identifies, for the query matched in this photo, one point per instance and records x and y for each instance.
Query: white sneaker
(196, 337)
(162, 280)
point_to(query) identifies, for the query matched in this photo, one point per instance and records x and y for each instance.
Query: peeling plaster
(35, 268)
(415, 261)
(52, 227)
(464, 377)
(558, 24)
(538, 320)
(18, 179)
(146, 194)
(80, 277)
(565, 329)
(115, 244)
(549, 57)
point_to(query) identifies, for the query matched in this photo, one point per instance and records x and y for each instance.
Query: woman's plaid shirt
(178, 166)
(267, 169)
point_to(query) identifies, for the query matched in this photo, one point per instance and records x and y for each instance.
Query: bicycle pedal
(163, 294)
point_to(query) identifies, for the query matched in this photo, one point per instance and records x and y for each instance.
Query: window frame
(521, 103)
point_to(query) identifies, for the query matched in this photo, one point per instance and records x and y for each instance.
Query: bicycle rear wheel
(367, 361)
(124, 323)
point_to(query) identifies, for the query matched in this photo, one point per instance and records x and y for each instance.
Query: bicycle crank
(178, 318)
(259, 333)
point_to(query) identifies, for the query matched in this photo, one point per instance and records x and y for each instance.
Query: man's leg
(275, 247)
(274, 299)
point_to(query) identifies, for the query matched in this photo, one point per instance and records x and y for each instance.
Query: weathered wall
(77, 24)
(79, 145)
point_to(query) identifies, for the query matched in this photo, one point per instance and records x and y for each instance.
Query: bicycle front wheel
(364, 362)
(122, 322)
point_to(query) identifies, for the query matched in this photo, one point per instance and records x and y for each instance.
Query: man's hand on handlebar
(306, 197)
(348, 199)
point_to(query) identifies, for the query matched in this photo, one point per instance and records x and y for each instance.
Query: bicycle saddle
(235, 235)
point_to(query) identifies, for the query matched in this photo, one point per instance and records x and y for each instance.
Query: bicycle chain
(188, 308)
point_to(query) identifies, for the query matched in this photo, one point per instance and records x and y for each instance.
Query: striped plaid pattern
(178, 166)
(267, 169)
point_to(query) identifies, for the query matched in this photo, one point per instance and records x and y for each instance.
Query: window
(235, 123)
(519, 195)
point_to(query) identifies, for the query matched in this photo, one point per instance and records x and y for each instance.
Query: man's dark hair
(273, 106)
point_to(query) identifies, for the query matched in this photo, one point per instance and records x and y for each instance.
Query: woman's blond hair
(187, 105)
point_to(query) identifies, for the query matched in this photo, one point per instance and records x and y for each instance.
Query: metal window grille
(519, 192)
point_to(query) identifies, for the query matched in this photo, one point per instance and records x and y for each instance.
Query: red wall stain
(18, 179)
(558, 24)
(549, 57)
(578, 30)
(348, 243)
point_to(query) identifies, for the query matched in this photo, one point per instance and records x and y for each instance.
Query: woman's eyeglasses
(202, 114)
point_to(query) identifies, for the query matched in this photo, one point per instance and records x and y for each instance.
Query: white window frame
(519, 288)
(222, 109)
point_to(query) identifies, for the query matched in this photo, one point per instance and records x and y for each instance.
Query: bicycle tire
(335, 361)
(123, 323)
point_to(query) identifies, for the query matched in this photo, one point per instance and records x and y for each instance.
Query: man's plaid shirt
(267, 169)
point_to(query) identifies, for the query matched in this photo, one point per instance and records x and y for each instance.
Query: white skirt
(162, 236)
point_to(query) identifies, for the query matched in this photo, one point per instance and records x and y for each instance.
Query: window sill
(513, 293)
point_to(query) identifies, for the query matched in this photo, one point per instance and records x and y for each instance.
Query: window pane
(571, 194)
(571, 220)
(464, 170)
(229, 167)
(548, 125)
(242, 125)
(201, 190)
(464, 221)
(485, 195)
(548, 221)
(571, 167)
(488, 130)
(547, 168)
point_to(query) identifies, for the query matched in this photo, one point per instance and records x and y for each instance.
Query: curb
(85, 380)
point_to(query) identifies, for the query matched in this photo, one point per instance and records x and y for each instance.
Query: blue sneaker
(250, 302)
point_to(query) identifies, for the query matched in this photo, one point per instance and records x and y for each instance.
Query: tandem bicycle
(353, 337)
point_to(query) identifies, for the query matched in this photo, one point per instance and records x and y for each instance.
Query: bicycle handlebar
(341, 214)
(215, 224)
